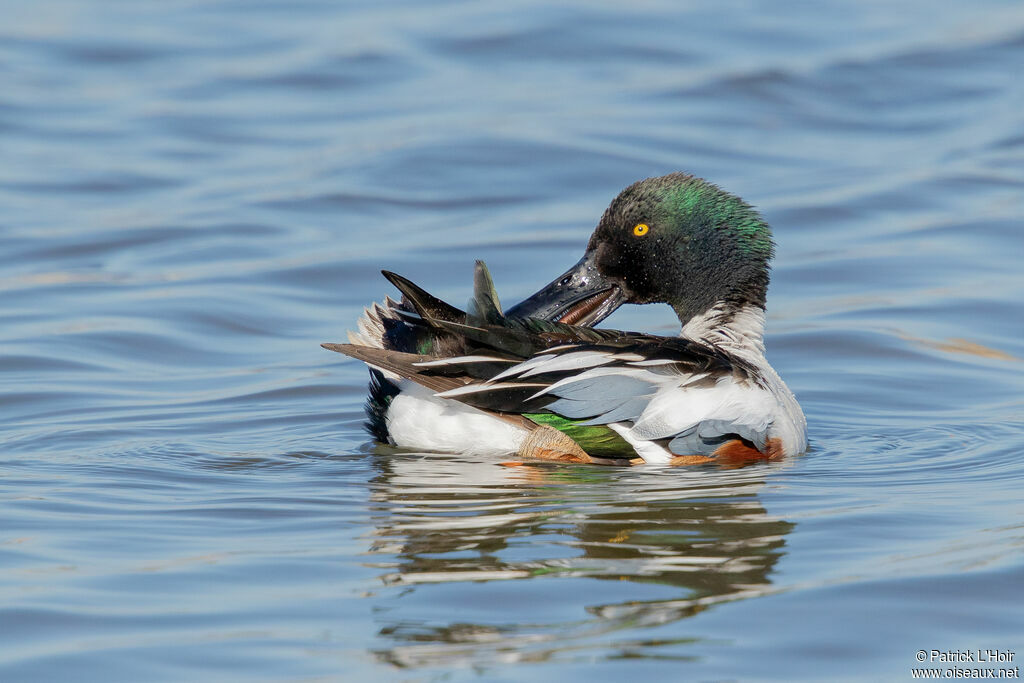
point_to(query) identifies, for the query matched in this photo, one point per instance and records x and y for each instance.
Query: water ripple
(195, 196)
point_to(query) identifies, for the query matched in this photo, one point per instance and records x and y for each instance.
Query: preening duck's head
(675, 239)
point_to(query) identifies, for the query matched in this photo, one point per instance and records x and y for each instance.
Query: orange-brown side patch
(736, 453)
(689, 460)
(557, 455)
(547, 443)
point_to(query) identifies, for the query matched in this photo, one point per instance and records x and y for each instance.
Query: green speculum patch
(597, 440)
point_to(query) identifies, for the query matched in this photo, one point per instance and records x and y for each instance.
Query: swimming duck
(539, 381)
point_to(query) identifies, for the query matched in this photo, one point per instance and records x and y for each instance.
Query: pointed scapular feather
(653, 362)
(580, 360)
(395, 361)
(462, 360)
(484, 307)
(525, 365)
(554, 332)
(515, 342)
(554, 363)
(561, 347)
(504, 397)
(482, 388)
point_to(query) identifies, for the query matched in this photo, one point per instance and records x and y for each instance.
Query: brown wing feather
(399, 363)
(402, 365)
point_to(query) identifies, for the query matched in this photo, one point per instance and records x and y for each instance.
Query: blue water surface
(195, 195)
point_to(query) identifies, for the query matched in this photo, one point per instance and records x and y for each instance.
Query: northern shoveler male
(540, 382)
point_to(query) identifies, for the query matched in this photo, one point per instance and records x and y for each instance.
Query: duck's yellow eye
(641, 229)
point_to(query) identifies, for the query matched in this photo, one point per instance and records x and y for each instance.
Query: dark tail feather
(382, 390)
(426, 304)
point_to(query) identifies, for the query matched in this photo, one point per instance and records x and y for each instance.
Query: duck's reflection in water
(457, 540)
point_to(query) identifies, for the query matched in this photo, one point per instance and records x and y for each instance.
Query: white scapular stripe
(462, 360)
(570, 361)
(579, 360)
(649, 363)
(478, 388)
(525, 365)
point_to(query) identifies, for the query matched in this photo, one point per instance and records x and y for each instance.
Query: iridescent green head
(676, 239)
(681, 240)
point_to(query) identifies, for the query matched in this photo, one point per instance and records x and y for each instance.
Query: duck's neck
(736, 330)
